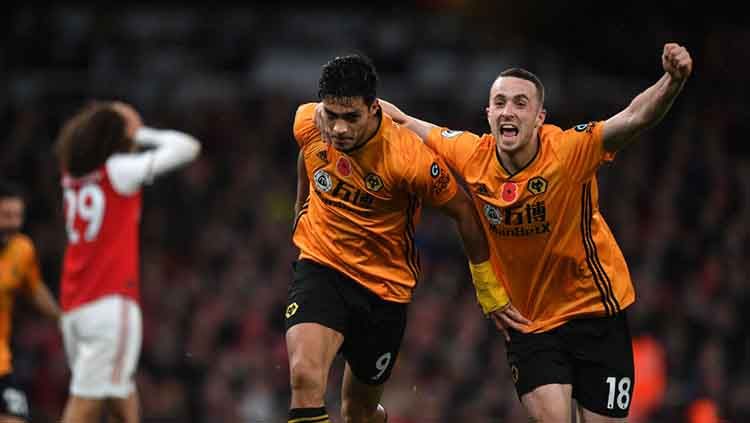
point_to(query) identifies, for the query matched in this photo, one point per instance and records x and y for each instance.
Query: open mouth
(508, 131)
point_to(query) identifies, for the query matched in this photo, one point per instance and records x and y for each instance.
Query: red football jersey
(102, 256)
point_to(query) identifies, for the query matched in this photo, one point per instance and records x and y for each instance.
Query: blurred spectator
(650, 377)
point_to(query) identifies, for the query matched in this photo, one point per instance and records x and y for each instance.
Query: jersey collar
(533, 160)
(378, 133)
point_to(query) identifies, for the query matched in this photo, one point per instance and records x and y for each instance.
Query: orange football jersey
(364, 205)
(549, 244)
(19, 272)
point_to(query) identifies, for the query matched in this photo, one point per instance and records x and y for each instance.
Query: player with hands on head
(106, 156)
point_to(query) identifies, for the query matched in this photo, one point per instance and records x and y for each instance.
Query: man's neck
(515, 161)
(371, 131)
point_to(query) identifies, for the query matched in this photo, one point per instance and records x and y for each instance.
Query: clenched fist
(676, 61)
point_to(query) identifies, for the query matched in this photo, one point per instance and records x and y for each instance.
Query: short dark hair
(524, 74)
(88, 138)
(9, 189)
(349, 76)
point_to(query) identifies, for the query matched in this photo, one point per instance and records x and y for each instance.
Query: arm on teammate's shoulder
(651, 105)
(420, 127)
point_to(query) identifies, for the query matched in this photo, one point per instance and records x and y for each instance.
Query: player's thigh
(536, 360)
(549, 403)
(124, 410)
(604, 372)
(374, 339)
(104, 340)
(316, 318)
(312, 346)
(314, 296)
(591, 417)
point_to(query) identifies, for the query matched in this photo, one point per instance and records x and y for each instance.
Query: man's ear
(540, 117)
(375, 107)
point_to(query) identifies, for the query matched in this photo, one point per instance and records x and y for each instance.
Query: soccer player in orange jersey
(360, 197)
(536, 190)
(19, 274)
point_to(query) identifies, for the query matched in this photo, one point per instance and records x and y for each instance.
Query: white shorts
(102, 342)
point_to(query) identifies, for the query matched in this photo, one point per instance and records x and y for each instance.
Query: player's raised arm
(170, 149)
(650, 106)
(420, 127)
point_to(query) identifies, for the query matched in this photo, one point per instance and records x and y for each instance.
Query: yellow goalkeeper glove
(490, 293)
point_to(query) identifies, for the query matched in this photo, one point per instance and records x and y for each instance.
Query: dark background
(216, 236)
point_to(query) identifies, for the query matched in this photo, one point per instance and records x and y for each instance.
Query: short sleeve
(581, 148)
(456, 147)
(304, 124)
(428, 176)
(32, 275)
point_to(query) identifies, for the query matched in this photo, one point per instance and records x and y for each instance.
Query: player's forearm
(646, 110)
(173, 148)
(420, 127)
(650, 106)
(472, 236)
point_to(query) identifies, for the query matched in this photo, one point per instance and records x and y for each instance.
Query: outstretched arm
(420, 127)
(490, 293)
(650, 106)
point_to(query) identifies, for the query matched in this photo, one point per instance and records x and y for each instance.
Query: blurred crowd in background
(216, 236)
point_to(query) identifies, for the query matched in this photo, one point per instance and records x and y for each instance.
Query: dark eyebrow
(517, 96)
(353, 114)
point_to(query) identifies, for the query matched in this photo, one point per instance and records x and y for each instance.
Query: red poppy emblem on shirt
(344, 166)
(509, 192)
